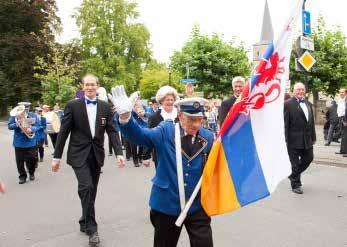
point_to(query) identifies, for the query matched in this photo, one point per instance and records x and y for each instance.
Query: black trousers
(40, 149)
(300, 160)
(136, 153)
(166, 233)
(88, 179)
(127, 146)
(53, 138)
(343, 148)
(25, 157)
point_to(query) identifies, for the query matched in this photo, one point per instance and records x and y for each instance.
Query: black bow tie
(301, 100)
(91, 102)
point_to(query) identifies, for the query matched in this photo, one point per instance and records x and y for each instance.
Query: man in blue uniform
(24, 144)
(165, 200)
(40, 134)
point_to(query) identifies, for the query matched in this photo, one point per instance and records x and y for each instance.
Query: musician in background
(40, 134)
(45, 109)
(54, 119)
(25, 125)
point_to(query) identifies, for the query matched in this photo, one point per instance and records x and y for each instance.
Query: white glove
(120, 100)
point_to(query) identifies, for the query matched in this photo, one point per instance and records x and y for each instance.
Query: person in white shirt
(341, 113)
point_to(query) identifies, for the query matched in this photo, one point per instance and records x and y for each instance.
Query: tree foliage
(21, 40)
(330, 71)
(115, 46)
(155, 76)
(212, 62)
(59, 73)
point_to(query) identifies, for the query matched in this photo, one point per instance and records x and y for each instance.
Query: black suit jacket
(299, 133)
(75, 121)
(225, 107)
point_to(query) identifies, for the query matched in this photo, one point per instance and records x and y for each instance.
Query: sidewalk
(326, 154)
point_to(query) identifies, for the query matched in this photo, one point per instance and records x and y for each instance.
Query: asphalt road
(45, 213)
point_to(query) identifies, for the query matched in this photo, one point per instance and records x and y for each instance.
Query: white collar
(168, 115)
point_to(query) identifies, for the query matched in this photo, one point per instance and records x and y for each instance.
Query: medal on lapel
(103, 121)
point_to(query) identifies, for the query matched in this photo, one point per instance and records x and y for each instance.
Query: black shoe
(137, 165)
(22, 181)
(298, 190)
(32, 177)
(94, 239)
(339, 153)
(345, 155)
(41, 159)
(83, 230)
(327, 144)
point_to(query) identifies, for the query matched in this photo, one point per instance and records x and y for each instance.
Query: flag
(249, 157)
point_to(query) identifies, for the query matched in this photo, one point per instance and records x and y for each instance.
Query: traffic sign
(306, 22)
(307, 61)
(186, 81)
(306, 43)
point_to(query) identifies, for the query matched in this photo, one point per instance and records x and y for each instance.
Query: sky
(170, 22)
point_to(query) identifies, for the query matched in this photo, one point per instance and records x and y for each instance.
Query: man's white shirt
(91, 112)
(341, 107)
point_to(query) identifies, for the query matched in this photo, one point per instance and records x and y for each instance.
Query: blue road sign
(186, 81)
(306, 22)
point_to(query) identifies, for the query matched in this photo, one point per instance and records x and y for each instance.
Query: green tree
(59, 73)
(212, 62)
(330, 71)
(115, 46)
(155, 76)
(21, 39)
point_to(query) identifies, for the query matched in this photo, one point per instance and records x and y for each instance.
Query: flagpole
(179, 166)
(184, 212)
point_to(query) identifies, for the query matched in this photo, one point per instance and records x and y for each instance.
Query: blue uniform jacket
(40, 133)
(143, 122)
(164, 195)
(20, 140)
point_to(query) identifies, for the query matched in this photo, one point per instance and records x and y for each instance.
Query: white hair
(298, 85)
(90, 76)
(238, 79)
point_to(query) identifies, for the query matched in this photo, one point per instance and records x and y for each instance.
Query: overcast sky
(170, 21)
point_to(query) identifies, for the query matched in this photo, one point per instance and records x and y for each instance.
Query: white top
(341, 107)
(91, 111)
(166, 115)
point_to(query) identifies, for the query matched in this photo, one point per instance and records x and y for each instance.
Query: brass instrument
(22, 120)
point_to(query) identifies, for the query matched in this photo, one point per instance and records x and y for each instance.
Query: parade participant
(86, 120)
(153, 107)
(40, 134)
(332, 122)
(237, 85)
(45, 109)
(300, 134)
(196, 143)
(137, 152)
(166, 96)
(25, 124)
(342, 114)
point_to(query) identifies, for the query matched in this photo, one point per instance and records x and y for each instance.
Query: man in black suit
(300, 134)
(87, 119)
(237, 84)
